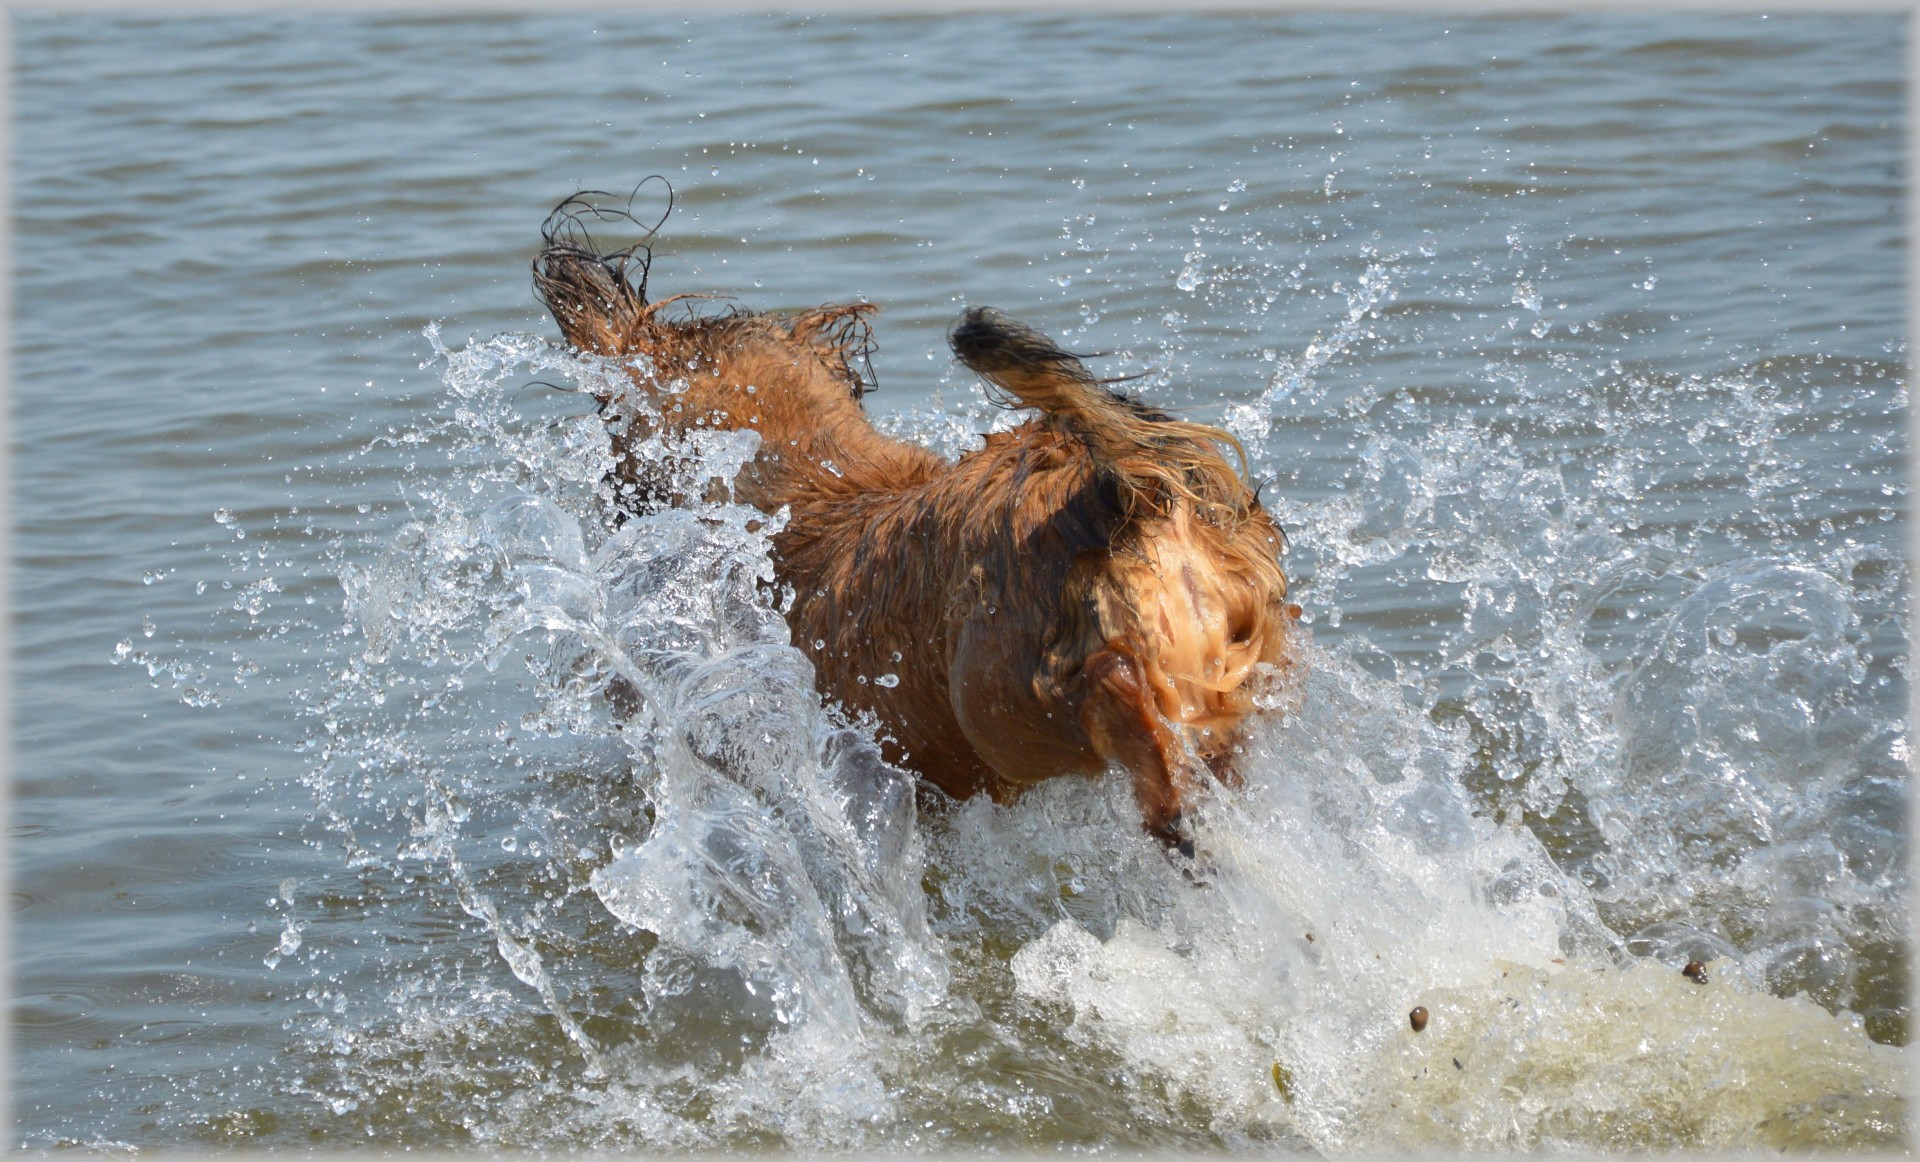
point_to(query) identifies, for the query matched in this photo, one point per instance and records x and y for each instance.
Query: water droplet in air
(223, 516)
(887, 680)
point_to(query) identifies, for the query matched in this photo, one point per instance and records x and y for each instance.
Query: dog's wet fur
(1097, 587)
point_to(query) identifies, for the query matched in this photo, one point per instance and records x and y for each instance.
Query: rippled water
(1571, 349)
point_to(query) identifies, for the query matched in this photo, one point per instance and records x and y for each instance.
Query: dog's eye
(1242, 634)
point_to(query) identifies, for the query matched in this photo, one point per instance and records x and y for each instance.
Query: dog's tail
(1153, 457)
(598, 298)
(591, 299)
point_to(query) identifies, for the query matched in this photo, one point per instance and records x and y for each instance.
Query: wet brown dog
(1091, 589)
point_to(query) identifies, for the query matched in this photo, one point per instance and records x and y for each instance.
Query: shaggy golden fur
(1092, 588)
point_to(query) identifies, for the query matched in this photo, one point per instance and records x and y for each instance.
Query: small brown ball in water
(1695, 972)
(1418, 1018)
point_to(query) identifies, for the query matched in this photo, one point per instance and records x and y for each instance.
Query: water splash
(1292, 382)
(756, 856)
(724, 921)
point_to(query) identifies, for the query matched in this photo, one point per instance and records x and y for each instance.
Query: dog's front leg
(1126, 727)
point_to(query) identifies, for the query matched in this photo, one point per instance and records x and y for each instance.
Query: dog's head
(1165, 637)
(1198, 604)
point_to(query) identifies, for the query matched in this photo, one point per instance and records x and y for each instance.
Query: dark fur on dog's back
(1093, 587)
